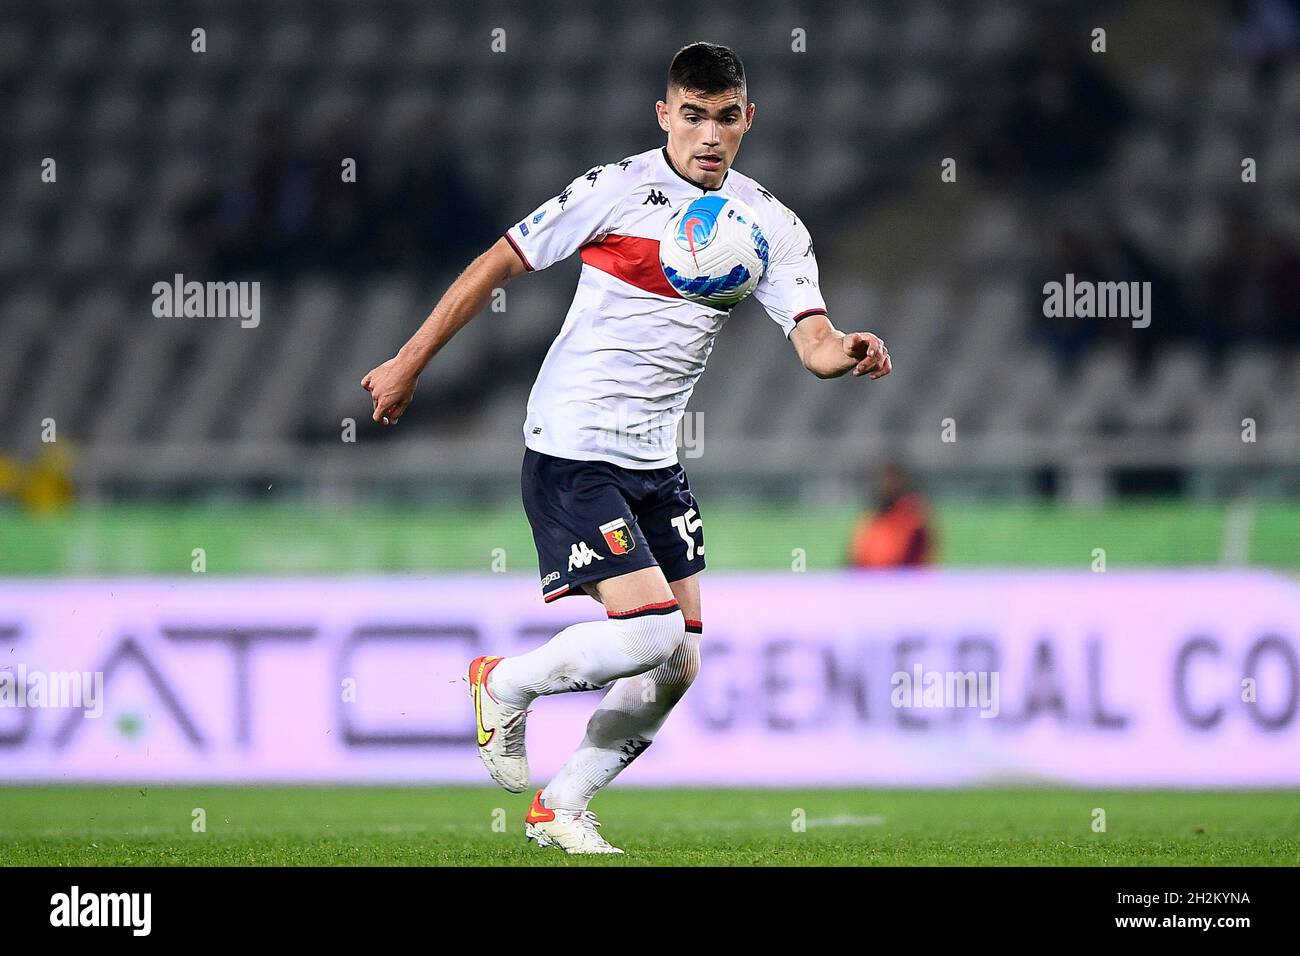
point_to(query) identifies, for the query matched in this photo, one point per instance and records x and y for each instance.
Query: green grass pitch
(418, 826)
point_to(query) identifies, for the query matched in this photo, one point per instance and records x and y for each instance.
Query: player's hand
(391, 387)
(869, 352)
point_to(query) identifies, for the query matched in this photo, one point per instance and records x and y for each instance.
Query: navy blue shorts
(594, 520)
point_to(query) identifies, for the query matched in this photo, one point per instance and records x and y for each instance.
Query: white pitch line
(846, 820)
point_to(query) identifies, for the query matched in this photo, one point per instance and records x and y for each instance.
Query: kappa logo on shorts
(581, 556)
(618, 536)
(551, 578)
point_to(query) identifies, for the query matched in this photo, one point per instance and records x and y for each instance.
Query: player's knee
(671, 679)
(669, 635)
(652, 639)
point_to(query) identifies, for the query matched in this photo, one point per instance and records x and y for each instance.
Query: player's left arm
(829, 353)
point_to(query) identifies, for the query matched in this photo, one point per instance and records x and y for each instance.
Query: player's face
(704, 132)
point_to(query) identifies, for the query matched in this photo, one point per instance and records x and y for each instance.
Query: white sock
(589, 655)
(623, 726)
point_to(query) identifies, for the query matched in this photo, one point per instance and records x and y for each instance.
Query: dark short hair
(706, 68)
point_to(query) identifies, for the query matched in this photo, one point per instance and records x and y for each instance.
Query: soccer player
(611, 510)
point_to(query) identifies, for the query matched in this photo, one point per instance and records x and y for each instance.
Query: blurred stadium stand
(224, 165)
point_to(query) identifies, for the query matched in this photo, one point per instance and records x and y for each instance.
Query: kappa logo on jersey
(656, 198)
(618, 536)
(580, 556)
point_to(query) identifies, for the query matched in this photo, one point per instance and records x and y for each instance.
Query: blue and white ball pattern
(713, 251)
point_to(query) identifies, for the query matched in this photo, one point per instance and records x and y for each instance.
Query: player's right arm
(392, 385)
(554, 231)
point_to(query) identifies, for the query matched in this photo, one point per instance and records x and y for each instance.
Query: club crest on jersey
(618, 536)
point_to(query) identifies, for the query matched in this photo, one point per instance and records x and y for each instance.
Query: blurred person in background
(267, 220)
(897, 533)
(432, 214)
(340, 210)
(41, 487)
(1266, 32)
(1106, 254)
(1249, 290)
(1052, 118)
(1068, 336)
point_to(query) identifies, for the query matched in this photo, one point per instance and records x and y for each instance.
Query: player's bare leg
(626, 721)
(687, 592)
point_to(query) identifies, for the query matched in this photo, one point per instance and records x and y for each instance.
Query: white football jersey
(615, 382)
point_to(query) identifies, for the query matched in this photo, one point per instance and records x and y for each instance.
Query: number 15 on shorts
(687, 524)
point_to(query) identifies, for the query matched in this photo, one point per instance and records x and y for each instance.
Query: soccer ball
(713, 251)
